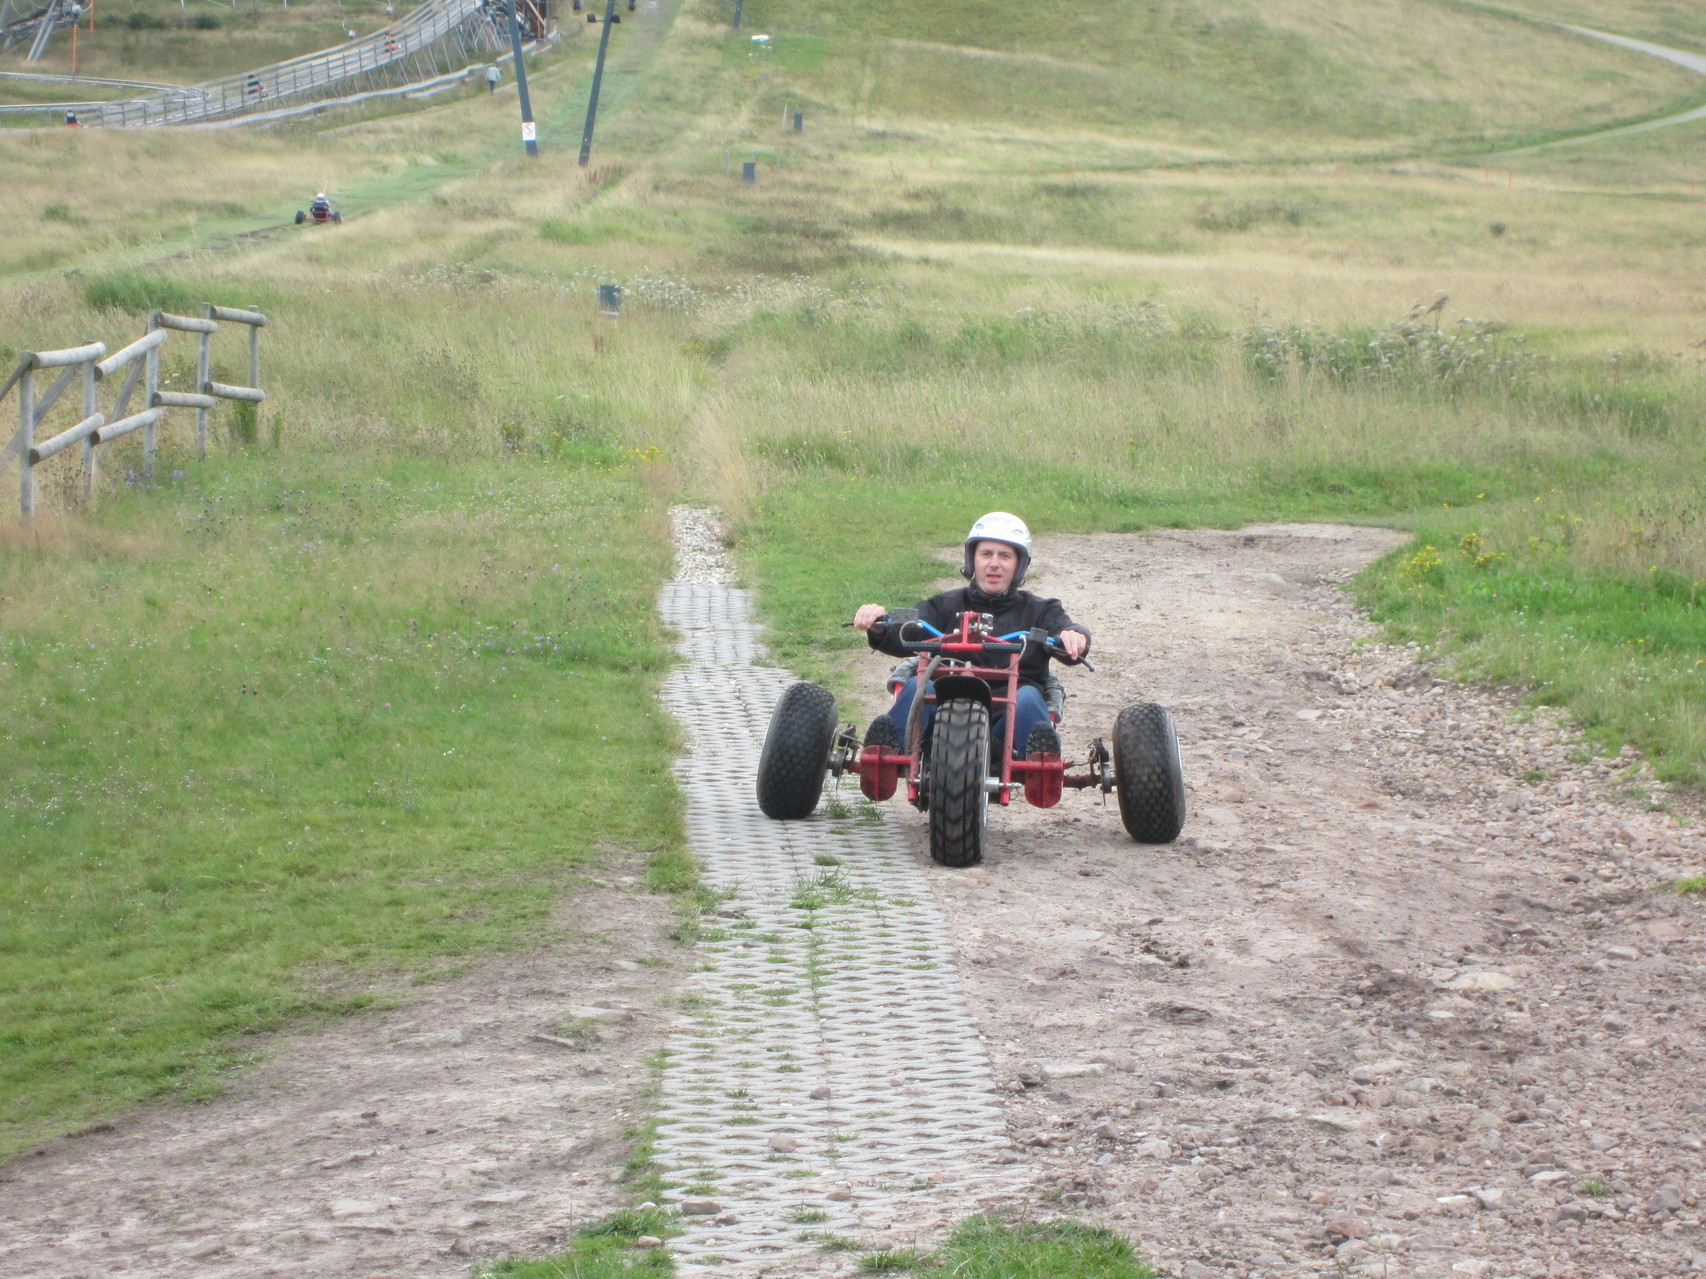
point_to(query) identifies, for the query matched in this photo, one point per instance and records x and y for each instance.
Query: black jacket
(1014, 611)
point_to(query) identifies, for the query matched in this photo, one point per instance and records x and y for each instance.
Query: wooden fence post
(27, 439)
(89, 441)
(150, 387)
(255, 367)
(202, 375)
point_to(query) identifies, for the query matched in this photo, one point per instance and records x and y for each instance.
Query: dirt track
(485, 1117)
(1408, 983)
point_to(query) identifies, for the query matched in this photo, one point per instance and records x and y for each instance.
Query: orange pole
(73, 48)
(1510, 178)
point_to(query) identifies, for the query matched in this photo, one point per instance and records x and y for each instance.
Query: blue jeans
(1032, 709)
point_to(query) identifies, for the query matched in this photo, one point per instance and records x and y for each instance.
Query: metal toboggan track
(833, 1080)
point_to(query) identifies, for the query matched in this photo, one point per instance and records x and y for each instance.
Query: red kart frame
(956, 666)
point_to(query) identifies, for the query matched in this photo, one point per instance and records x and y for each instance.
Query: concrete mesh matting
(832, 1066)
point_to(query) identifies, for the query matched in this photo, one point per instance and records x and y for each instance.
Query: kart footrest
(880, 771)
(1043, 773)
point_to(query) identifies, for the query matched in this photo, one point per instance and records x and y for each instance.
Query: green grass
(1506, 595)
(284, 735)
(600, 1251)
(988, 1248)
(978, 1248)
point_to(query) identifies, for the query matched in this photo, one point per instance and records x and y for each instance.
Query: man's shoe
(882, 732)
(1043, 740)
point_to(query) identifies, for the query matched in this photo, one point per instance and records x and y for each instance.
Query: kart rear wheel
(301, 217)
(795, 758)
(959, 763)
(1148, 775)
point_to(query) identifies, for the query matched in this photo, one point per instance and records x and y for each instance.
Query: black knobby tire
(959, 763)
(1148, 775)
(795, 758)
(301, 217)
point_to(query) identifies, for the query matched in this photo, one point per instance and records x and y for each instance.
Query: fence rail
(140, 362)
(440, 36)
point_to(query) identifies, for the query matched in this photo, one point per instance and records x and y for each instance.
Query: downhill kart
(319, 217)
(952, 768)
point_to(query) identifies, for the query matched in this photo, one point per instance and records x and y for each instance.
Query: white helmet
(320, 195)
(1000, 526)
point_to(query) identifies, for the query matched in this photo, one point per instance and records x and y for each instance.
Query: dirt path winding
(1407, 1000)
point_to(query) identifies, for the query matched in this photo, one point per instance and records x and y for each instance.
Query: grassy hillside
(1111, 83)
(1674, 22)
(903, 326)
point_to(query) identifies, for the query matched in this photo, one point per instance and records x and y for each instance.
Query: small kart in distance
(320, 213)
(953, 770)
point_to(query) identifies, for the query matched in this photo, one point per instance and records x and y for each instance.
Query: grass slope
(280, 737)
(1299, 78)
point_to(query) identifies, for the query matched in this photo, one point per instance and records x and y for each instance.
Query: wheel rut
(832, 1080)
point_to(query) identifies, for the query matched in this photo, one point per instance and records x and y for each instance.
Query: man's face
(993, 565)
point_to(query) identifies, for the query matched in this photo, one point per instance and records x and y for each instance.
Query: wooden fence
(141, 358)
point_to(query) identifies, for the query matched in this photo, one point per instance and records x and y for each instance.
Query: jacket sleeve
(1055, 620)
(934, 610)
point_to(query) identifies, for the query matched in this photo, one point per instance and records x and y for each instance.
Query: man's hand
(869, 615)
(1074, 643)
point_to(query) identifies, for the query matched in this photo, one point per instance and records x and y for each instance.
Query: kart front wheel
(796, 752)
(1148, 775)
(959, 802)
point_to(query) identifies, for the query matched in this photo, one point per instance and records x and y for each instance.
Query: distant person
(320, 208)
(71, 120)
(253, 88)
(492, 78)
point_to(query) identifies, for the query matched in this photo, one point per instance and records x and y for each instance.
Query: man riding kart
(997, 554)
(320, 211)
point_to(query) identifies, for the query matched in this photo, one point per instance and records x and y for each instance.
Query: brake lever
(1052, 645)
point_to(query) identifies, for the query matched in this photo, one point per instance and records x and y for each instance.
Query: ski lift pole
(597, 79)
(529, 132)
